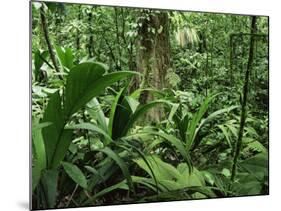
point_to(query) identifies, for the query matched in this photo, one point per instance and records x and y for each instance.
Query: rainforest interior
(133, 105)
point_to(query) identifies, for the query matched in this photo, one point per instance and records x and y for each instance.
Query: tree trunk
(244, 100)
(77, 30)
(119, 45)
(91, 39)
(153, 56)
(48, 42)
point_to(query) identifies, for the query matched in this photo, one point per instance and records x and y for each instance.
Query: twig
(67, 204)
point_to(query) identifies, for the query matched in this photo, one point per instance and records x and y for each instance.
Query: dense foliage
(139, 105)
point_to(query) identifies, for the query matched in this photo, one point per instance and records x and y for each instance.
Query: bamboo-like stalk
(91, 38)
(231, 57)
(48, 41)
(77, 30)
(117, 39)
(244, 100)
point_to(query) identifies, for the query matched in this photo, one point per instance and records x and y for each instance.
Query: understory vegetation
(138, 105)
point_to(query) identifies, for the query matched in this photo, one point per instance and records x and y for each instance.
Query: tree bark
(153, 56)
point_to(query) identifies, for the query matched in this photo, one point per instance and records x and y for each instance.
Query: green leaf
(75, 174)
(149, 183)
(53, 133)
(122, 115)
(173, 111)
(36, 126)
(86, 81)
(55, 7)
(196, 120)
(38, 153)
(120, 185)
(117, 101)
(36, 5)
(92, 127)
(214, 115)
(256, 165)
(178, 144)
(94, 171)
(62, 147)
(132, 103)
(162, 170)
(96, 112)
(225, 133)
(142, 109)
(39, 59)
(65, 57)
(226, 172)
(81, 81)
(144, 159)
(210, 118)
(123, 166)
(49, 185)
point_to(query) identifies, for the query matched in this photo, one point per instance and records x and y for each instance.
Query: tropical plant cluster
(137, 105)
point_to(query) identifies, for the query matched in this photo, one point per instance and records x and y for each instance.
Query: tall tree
(153, 55)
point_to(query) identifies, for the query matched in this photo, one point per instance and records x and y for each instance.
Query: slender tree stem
(91, 39)
(70, 198)
(231, 57)
(244, 100)
(77, 30)
(47, 39)
(118, 39)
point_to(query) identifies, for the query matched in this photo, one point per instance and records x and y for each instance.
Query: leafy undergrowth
(93, 139)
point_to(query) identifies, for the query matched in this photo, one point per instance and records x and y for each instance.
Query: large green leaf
(141, 110)
(120, 185)
(92, 127)
(62, 147)
(210, 118)
(122, 115)
(38, 152)
(86, 81)
(257, 165)
(65, 57)
(96, 112)
(49, 184)
(81, 81)
(178, 144)
(117, 101)
(162, 170)
(196, 120)
(75, 173)
(128, 147)
(147, 182)
(169, 177)
(52, 134)
(123, 166)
